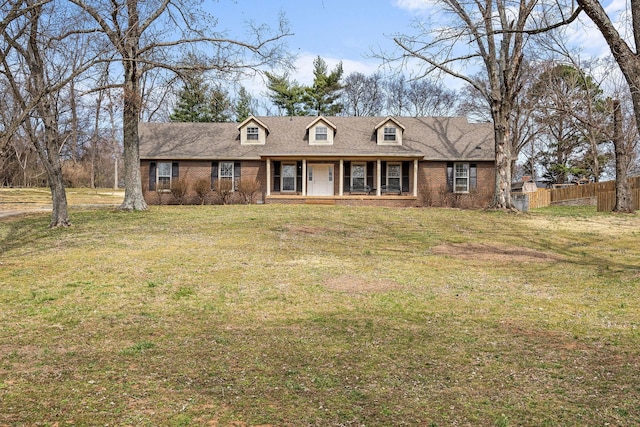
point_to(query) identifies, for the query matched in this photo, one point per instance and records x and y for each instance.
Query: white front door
(320, 180)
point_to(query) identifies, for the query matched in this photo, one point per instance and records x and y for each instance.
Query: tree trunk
(49, 149)
(53, 165)
(627, 59)
(59, 215)
(623, 190)
(502, 193)
(133, 195)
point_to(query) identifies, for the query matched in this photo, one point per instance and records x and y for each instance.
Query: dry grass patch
(251, 315)
(493, 252)
(353, 284)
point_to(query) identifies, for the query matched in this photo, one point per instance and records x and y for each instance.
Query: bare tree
(426, 98)
(142, 38)
(36, 81)
(628, 58)
(488, 35)
(396, 95)
(363, 95)
(623, 191)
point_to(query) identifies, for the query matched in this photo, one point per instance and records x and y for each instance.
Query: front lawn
(320, 315)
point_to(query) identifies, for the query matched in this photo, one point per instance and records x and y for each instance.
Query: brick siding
(432, 186)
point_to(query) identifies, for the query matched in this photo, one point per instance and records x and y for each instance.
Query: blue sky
(349, 30)
(336, 30)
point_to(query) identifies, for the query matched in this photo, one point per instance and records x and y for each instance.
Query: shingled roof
(428, 138)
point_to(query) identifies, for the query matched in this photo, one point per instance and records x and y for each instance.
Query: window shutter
(299, 176)
(174, 170)
(473, 176)
(450, 177)
(236, 175)
(276, 176)
(214, 174)
(152, 176)
(405, 176)
(370, 180)
(346, 185)
(383, 165)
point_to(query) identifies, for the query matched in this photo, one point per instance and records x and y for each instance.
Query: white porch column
(304, 177)
(378, 178)
(268, 177)
(340, 184)
(415, 178)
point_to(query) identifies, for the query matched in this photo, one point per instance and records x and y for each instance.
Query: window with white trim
(225, 172)
(288, 177)
(321, 133)
(390, 134)
(461, 177)
(164, 176)
(394, 176)
(358, 176)
(253, 133)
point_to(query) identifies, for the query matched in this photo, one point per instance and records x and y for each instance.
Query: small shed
(527, 185)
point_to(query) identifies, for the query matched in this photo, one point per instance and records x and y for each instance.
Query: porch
(347, 200)
(342, 181)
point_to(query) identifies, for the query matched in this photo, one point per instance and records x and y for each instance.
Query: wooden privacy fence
(607, 197)
(540, 198)
(605, 192)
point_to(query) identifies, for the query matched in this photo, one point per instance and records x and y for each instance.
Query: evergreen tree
(243, 106)
(219, 105)
(285, 95)
(322, 98)
(198, 103)
(574, 120)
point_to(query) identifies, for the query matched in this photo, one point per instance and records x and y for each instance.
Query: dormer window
(321, 133)
(253, 133)
(390, 134)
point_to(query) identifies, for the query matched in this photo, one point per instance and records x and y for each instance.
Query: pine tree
(285, 95)
(220, 107)
(198, 103)
(322, 98)
(243, 106)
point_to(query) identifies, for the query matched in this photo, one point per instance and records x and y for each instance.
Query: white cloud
(413, 5)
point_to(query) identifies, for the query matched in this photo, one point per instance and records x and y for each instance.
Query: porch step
(320, 201)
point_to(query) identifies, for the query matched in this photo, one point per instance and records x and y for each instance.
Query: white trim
(233, 173)
(467, 168)
(282, 177)
(415, 177)
(378, 177)
(341, 183)
(158, 176)
(304, 174)
(268, 177)
(399, 177)
(364, 174)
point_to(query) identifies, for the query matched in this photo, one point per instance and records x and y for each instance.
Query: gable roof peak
(390, 119)
(253, 119)
(321, 119)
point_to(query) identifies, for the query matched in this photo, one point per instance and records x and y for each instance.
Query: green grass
(320, 315)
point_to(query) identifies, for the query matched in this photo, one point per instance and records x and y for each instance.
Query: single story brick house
(387, 161)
